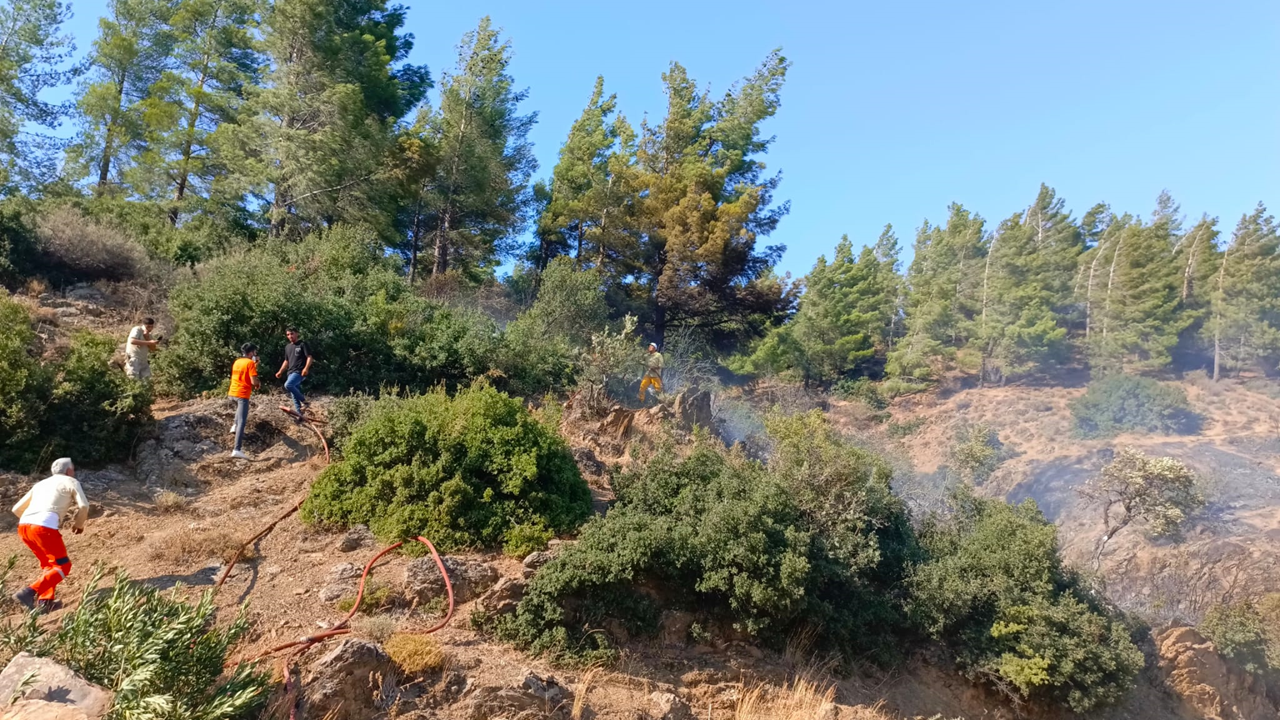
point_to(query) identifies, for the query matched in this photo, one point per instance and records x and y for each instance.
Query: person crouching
(40, 514)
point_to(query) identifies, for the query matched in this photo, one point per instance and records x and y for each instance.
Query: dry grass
(196, 544)
(168, 501)
(35, 287)
(82, 249)
(378, 628)
(580, 693)
(415, 654)
(803, 699)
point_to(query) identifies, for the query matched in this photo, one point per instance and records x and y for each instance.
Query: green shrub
(96, 411)
(976, 453)
(24, 388)
(863, 390)
(163, 657)
(1121, 403)
(814, 540)
(361, 319)
(17, 241)
(994, 591)
(1240, 632)
(79, 407)
(907, 428)
(345, 415)
(476, 470)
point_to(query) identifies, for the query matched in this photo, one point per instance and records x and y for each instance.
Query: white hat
(653, 345)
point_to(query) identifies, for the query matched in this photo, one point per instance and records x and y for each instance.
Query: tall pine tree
(1027, 291)
(706, 201)
(33, 50)
(473, 204)
(214, 63)
(1243, 324)
(314, 143)
(132, 51)
(943, 297)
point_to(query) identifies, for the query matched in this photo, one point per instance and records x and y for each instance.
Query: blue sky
(892, 110)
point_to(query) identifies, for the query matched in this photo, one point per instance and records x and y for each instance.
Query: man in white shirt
(40, 514)
(137, 350)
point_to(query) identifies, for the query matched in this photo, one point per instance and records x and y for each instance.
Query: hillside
(1229, 550)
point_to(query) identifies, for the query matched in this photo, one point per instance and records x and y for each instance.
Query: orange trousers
(649, 381)
(49, 549)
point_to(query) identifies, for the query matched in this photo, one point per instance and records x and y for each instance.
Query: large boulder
(668, 706)
(504, 597)
(345, 684)
(44, 710)
(470, 579)
(1211, 687)
(50, 687)
(693, 407)
(534, 696)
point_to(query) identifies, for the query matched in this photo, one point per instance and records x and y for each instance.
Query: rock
(1209, 686)
(545, 689)
(693, 408)
(587, 461)
(66, 312)
(340, 685)
(668, 706)
(535, 560)
(673, 628)
(44, 710)
(53, 684)
(470, 579)
(332, 593)
(343, 571)
(356, 538)
(504, 597)
(534, 697)
(84, 293)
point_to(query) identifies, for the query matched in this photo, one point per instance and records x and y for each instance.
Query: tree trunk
(416, 242)
(440, 264)
(184, 169)
(1111, 278)
(1217, 315)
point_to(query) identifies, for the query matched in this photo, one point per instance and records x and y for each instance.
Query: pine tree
(314, 142)
(1198, 257)
(133, 49)
(1136, 306)
(33, 49)
(214, 62)
(943, 298)
(1027, 290)
(705, 203)
(593, 192)
(1243, 325)
(473, 205)
(889, 288)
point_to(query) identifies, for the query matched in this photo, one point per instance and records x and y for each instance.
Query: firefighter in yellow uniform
(652, 373)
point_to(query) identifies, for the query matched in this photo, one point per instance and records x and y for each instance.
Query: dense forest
(204, 127)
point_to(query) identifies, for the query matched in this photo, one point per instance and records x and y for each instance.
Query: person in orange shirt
(244, 380)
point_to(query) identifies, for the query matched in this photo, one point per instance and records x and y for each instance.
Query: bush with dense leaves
(79, 406)
(365, 326)
(162, 657)
(75, 248)
(1121, 403)
(476, 470)
(17, 241)
(813, 541)
(542, 346)
(994, 591)
(1241, 631)
(976, 453)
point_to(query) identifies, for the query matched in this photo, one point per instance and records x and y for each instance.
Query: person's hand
(304, 373)
(77, 531)
(277, 376)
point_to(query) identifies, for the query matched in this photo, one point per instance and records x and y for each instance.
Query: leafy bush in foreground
(475, 470)
(995, 592)
(1120, 403)
(161, 656)
(814, 540)
(79, 406)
